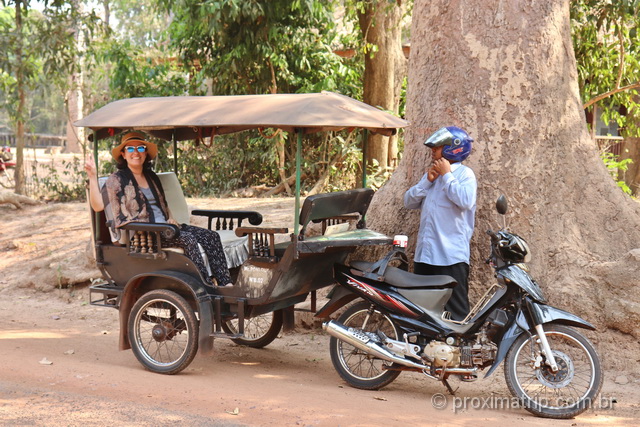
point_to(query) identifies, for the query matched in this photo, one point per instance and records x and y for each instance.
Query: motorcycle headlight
(514, 248)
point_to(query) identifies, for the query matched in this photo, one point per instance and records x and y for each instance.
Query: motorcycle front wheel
(358, 368)
(562, 394)
(259, 331)
(163, 331)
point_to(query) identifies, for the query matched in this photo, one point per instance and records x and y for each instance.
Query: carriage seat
(235, 248)
(334, 211)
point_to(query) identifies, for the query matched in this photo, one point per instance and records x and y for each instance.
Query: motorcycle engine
(442, 354)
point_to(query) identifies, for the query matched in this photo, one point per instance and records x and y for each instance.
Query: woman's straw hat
(135, 137)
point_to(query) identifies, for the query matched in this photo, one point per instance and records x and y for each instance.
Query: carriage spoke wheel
(163, 330)
(259, 331)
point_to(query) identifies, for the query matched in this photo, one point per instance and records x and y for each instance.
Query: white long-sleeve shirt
(447, 218)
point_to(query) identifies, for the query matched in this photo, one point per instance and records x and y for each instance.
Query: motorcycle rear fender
(338, 298)
(542, 314)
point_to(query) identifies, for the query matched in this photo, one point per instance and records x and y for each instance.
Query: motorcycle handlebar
(494, 236)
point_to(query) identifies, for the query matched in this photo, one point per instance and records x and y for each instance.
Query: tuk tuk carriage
(166, 309)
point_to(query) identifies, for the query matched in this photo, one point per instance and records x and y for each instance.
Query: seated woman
(136, 195)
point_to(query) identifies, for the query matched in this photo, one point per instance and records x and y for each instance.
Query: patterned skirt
(188, 240)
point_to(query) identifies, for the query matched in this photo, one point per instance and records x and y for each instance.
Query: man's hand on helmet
(442, 166)
(432, 174)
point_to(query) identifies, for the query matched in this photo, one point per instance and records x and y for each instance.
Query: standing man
(446, 194)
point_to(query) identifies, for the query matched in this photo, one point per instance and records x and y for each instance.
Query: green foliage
(607, 48)
(337, 154)
(229, 47)
(253, 46)
(140, 22)
(260, 46)
(246, 159)
(616, 168)
(136, 58)
(134, 73)
(65, 187)
(48, 52)
(229, 162)
(180, 47)
(18, 67)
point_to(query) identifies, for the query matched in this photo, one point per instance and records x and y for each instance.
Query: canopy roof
(192, 117)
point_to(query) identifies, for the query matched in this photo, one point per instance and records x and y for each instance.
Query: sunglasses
(139, 148)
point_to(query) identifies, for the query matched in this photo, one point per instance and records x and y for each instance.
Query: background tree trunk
(75, 98)
(380, 23)
(75, 102)
(631, 150)
(22, 105)
(506, 72)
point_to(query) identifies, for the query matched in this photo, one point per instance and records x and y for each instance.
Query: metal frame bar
(365, 143)
(95, 160)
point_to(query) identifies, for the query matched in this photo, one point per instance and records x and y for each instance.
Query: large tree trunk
(505, 71)
(22, 106)
(75, 98)
(380, 23)
(631, 150)
(75, 102)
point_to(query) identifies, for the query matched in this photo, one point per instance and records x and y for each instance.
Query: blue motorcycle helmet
(456, 142)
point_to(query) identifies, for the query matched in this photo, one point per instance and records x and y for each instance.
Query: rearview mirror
(502, 205)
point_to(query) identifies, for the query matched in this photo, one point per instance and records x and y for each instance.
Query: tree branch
(621, 64)
(610, 93)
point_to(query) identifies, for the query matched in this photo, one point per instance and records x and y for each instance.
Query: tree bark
(75, 98)
(22, 105)
(505, 71)
(380, 23)
(75, 102)
(631, 150)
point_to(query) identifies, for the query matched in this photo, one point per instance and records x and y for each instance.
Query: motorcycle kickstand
(444, 381)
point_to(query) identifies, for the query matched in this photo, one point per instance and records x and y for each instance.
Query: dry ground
(44, 271)
(59, 363)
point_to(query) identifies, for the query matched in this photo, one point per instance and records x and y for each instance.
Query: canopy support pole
(365, 143)
(95, 161)
(175, 152)
(296, 225)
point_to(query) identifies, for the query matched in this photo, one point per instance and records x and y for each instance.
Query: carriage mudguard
(181, 283)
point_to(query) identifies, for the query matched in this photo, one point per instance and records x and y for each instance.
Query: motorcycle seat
(405, 280)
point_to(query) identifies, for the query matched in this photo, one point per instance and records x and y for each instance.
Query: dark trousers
(188, 240)
(458, 304)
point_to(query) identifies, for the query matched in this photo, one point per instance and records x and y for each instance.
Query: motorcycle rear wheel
(357, 368)
(563, 394)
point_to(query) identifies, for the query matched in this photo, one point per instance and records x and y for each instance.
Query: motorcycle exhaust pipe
(364, 343)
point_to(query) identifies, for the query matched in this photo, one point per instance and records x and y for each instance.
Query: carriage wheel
(163, 330)
(259, 331)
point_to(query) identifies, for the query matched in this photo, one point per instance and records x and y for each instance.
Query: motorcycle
(401, 325)
(6, 163)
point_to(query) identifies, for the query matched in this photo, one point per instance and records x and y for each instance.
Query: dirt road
(60, 364)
